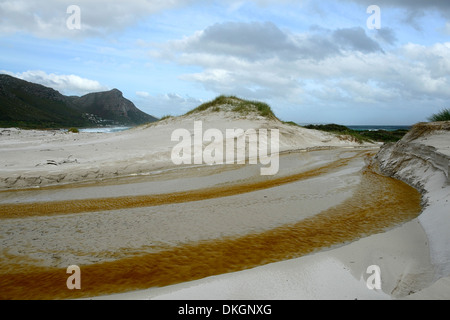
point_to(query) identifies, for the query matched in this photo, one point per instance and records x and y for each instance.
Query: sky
(311, 61)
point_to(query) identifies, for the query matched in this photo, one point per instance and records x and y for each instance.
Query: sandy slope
(37, 158)
(422, 159)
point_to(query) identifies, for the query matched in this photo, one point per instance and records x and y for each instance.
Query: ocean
(377, 128)
(368, 127)
(105, 129)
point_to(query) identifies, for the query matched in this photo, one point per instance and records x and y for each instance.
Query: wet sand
(178, 226)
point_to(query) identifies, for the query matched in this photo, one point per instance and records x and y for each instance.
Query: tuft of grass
(292, 123)
(74, 130)
(221, 100)
(241, 106)
(165, 117)
(426, 128)
(443, 115)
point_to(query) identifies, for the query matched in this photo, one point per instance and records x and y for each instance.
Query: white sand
(412, 257)
(36, 158)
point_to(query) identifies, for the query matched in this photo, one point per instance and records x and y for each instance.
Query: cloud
(414, 9)
(259, 59)
(264, 40)
(66, 84)
(102, 17)
(161, 105)
(343, 67)
(252, 40)
(355, 39)
(48, 18)
(386, 35)
(142, 94)
(446, 29)
(415, 5)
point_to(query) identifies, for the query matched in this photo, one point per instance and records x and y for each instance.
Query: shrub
(74, 130)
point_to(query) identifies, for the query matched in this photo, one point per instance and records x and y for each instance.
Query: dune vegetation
(443, 115)
(235, 104)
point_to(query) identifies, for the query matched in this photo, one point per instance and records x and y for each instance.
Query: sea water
(377, 128)
(105, 129)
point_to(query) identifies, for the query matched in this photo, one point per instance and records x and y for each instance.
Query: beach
(140, 227)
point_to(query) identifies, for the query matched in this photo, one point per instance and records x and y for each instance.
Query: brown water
(379, 203)
(22, 210)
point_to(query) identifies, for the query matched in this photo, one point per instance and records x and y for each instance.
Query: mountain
(29, 105)
(113, 106)
(26, 104)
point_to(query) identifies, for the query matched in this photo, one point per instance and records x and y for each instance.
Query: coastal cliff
(422, 159)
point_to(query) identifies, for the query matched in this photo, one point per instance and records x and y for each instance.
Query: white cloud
(66, 84)
(417, 6)
(264, 40)
(166, 104)
(261, 61)
(142, 94)
(48, 18)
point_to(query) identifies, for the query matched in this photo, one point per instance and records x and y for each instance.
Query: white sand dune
(40, 158)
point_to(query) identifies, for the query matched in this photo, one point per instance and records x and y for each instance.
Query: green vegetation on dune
(385, 136)
(238, 105)
(443, 115)
(247, 107)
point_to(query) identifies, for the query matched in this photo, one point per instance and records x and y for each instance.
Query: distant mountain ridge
(29, 105)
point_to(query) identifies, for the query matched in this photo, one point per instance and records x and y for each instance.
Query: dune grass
(443, 115)
(238, 105)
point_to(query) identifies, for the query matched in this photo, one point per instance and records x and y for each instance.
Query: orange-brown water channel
(379, 203)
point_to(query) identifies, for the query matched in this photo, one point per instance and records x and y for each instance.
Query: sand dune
(39, 158)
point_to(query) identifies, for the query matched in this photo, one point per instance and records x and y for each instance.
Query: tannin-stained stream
(379, 203)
